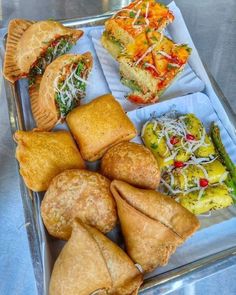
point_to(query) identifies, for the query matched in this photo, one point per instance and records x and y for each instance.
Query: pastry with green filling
(60, 90)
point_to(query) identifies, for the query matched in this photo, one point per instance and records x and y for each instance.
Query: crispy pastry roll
(99, 125)
(43, 155)
(78, 193)
(132, 163)
(153, 225)
(31, 46)
(61, 88)
(91, 263)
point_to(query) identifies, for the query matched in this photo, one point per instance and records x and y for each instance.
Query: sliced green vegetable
(225, 158)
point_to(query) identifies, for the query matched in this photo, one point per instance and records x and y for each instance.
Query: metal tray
(163, 283)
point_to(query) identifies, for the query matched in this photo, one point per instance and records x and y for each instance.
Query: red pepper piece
(54, 43)
(203, 182)
(178, 164)
(190, 137)
(174, 140)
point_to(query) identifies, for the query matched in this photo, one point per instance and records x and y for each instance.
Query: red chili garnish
(152, 72)
(203, 182)
(174, 140)
(190, 137)
(179, 164)
(54, 43)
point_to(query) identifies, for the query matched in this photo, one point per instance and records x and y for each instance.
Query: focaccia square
(43, 155)
(99, 125)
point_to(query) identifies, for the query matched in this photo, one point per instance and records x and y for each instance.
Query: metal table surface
(212, 25)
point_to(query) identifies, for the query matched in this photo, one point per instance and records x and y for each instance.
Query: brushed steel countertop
(212, 25)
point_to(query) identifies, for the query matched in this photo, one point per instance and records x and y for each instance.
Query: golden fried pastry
(159, 207)
(80, 267)
(90, 262)
(43, 155)
(31, 46)
(78, 193)
(132, 163)
(126, 278)
(62, 86)
(153, 225)
(99, 125)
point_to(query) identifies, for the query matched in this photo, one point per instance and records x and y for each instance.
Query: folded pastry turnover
(153, 225)
(132, 163)
(92, 264)
(78, 193)
(99, 125)
(43, 155)
(60, 89)
(31, 46)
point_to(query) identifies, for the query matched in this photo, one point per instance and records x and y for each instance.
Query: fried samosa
(132, 163)
(43, 155)
(61, 88)
(91, 262)
(31, 46)
(153, 225)
(80, 267)
(78, 193)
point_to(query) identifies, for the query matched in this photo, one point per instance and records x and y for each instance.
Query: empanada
(132, 163)
(31, 46)
(62, 86)
(43, 155)
(99, 125)
(152, 226)
(78, 193)
(83, 258)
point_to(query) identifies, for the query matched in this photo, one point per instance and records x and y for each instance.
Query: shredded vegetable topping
(70, 90)
(55, 49)
(175, 132)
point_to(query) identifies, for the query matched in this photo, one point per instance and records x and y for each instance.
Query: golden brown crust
(132, 163)
(16, 29)
(44, 107)
(43, 155)
(148, 242)
(99, 125)
(78, 194)
(126, 278)
(159, 207)
(80, 267)
(31, 39)
(44, 121)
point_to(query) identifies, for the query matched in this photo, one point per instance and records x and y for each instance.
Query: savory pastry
(153, 225)
(90, 263)
(132, 163)
(191, 168)
(31, 46)
(99, 125)
(80, 267)
(43, 155)
(62, 87)
(150, 65)
(129, 22)
(78, 193)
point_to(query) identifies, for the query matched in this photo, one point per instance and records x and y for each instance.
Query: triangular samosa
(147, 221)
(159, 207)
